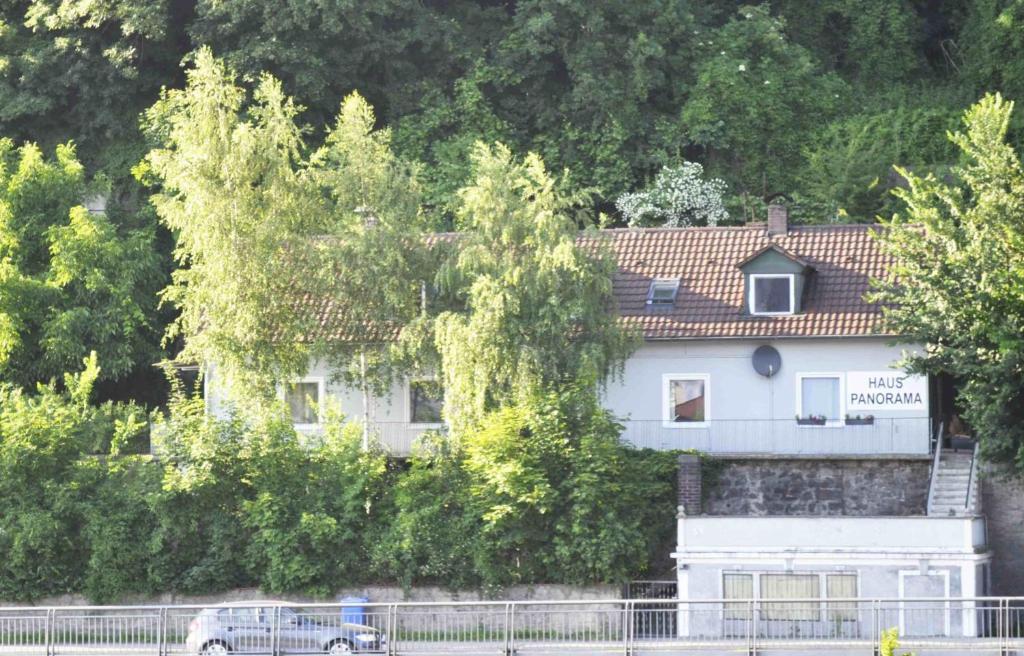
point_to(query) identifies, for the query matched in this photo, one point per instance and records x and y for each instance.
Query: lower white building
(832, 566)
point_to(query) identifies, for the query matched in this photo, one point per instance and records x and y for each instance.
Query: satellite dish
(767, 361)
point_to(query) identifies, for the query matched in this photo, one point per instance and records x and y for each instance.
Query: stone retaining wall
(817, 487)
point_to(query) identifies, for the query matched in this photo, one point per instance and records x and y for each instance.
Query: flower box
(810, 421)
(860, 421)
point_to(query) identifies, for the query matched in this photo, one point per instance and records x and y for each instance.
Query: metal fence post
(876, 627)
(626, 628)
(630, 626)
(391, 630)
(1004, 626)
(755, 610)
(48, 631)
(161, 631)
(512, 629)
(275, 632)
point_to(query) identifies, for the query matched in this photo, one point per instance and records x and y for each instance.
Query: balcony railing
(888, 436)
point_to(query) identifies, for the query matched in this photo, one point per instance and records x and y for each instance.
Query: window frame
(321, 393)
(408, 402)
(674, 282)
(840, 421)
(666, 400)
(824, 609)
(752, 297)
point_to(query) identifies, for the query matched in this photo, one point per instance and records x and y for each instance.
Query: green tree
(312, 512)
(82, 71)
(433, 533)
(755, 98)
(849, 174)
(868, 42)
(538, 308)
(593, 87)
(269, 234)
(71, 282)
(394, 51)
(957, 281)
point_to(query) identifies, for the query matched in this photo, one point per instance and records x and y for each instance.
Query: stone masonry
(818, 487)
(1003, 503)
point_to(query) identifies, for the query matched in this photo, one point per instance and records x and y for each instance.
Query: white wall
(749, 413)
(737, 391)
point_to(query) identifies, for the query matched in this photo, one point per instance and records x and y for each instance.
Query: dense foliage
(536, 306)
(611, 90)
(261, 221)
(817, 100)
(542, 492)
(71, 280)
(958, 280)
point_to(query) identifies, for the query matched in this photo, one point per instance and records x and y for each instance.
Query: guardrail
(788, 436)
(548, 627)
(875, 436)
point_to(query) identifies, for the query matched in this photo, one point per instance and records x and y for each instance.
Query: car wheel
(216, 649)
(339, 647)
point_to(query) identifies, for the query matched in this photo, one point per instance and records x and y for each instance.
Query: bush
(560, 498)
(48, 481)
(540, 492)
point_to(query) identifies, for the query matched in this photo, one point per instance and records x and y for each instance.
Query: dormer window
(772, 293)
(774, 282)
(663, 292)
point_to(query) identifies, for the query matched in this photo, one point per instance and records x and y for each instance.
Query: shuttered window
(791, 586)
(738, 586)
(841, 586)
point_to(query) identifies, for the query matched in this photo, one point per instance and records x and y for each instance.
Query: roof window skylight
(663, 291)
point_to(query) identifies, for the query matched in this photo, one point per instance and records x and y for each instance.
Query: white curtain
(820, 396)
(841, 586)
(737, 586)
(790, 586)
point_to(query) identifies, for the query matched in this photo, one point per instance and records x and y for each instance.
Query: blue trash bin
(354, 612)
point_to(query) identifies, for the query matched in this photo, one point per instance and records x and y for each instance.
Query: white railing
(517, 627)
(934, 478)
(882, 436)
(972, 504)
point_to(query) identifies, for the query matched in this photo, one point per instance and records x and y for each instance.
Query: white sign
(885, 390)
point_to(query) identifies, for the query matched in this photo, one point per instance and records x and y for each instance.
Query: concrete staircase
(954, 487)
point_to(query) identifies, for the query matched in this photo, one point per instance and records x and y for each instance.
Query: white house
(706, 300)
(761, 349)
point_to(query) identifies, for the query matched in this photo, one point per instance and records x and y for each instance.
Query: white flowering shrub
(679, 197)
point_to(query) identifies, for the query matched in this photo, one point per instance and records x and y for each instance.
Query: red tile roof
(710, 301)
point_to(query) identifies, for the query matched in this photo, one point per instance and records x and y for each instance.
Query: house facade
(761, 350)
(757, 339)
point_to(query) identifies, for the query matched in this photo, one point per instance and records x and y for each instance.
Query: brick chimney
(689, 483)
(778, 219)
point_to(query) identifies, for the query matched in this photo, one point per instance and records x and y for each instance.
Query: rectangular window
(771, 294)
(841, 586)
(737, 586)
(303, 399)
(686, 399)
(425, 401)
(820, 396)
(791, 586)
